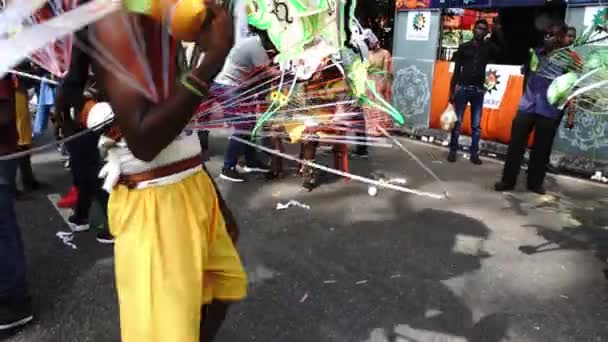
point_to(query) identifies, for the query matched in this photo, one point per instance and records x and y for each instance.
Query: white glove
(110, 171)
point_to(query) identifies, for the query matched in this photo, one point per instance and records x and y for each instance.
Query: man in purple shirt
(535, 113)
(15, 307)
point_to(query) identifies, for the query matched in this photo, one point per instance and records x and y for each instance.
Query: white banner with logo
(497, 77)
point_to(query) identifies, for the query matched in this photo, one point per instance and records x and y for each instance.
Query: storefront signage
(418, 25)
(497, 77)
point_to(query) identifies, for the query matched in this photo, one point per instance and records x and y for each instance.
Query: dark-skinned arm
(456, 75)
(147, 127)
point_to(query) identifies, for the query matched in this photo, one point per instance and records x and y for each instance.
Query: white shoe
(77, 225)
(252, 169)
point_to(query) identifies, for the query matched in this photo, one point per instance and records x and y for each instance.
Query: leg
(276, 164)
(214, 315)
(203, 137)
(233, 152)
(84, 166)
(310, 177)
(520, 131)
(27, 173)
(460, 103)
(361, 132)
(224, 279)
(476, 112)
(541, 152)
(41, 120)
(251, 155)
(15, 305)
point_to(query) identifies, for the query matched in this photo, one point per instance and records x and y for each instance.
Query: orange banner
(495, 123)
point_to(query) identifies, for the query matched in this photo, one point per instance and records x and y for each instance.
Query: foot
(501, 186)
(34, 186)
(77, 224)
(538, 189)
(256, 167)
(310, 178)
(452, 156)
(15, 316)
(69, 200)
(232, 175)
(104, 237)
(476, 160)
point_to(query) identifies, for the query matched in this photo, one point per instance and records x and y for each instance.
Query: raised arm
(148, 128)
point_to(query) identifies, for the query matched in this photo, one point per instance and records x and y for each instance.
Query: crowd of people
(153, 161)
(164, 214)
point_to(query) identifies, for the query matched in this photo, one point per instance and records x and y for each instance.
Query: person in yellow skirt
(24, 129)
(176, 264)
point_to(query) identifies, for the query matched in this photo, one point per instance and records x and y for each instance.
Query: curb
(576, 166)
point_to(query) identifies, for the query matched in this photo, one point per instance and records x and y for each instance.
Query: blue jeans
(41, 120)
(13, 284)
(462, 97)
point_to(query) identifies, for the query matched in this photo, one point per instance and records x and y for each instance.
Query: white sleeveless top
(120, 161)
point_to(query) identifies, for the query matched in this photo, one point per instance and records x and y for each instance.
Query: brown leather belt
(131, 181)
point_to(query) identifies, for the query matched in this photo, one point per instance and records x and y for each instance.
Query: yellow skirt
(24, 119)
(172, 255)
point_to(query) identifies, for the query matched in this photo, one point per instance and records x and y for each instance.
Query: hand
(217, 35)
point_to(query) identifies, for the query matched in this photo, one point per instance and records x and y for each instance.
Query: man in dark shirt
(536, 113)
(15, 307)
(467, 85)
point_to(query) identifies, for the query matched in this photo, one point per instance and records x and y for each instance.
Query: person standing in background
(468, 86)
(73, 107)
(24, 130)
(380, 72)
(535, 113)
(15, 303)
(570, 36)
(245, 57)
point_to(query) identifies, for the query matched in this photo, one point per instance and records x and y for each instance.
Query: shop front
(428, 55)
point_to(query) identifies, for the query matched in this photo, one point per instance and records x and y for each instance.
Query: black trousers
(545, 130)
(85, 164)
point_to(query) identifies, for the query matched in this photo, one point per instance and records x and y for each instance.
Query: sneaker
(15, 316)
(69, 200)
(104, 237)
(232, 175)
(452, 156)
(78, 225)
(475, 160)
(257, 168)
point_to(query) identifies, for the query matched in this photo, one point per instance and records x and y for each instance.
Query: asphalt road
(481, 266)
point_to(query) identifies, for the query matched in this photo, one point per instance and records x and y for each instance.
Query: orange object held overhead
(184, 18)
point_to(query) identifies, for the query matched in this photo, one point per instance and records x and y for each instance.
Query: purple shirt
(534, 99)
